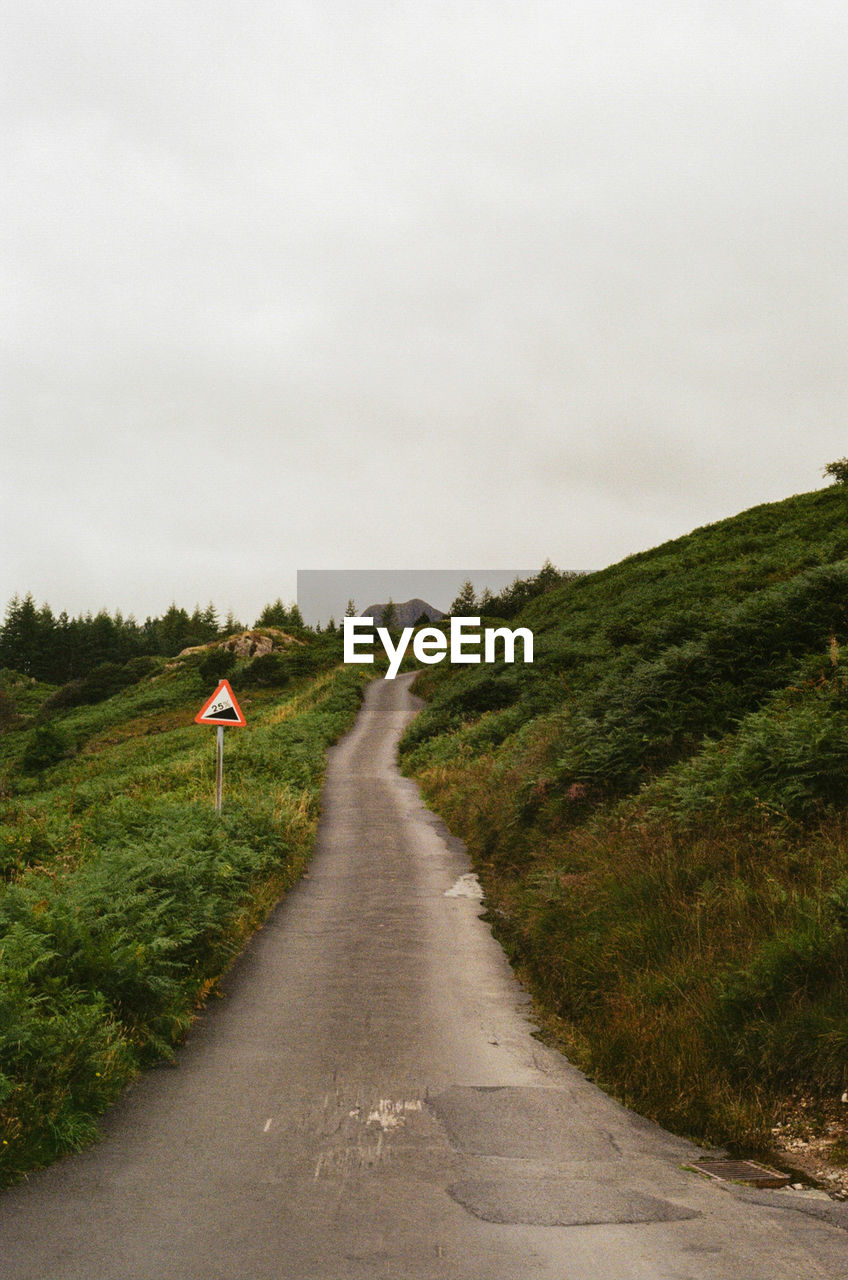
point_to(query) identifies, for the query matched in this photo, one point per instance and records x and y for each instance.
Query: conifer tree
(465, 604)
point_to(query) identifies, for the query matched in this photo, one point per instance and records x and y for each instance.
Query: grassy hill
(657, 809)
(123, 895)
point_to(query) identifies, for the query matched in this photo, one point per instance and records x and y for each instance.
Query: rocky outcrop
(250, 644)
(247, 644)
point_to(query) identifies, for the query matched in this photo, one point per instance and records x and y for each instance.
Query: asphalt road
(368, 1101)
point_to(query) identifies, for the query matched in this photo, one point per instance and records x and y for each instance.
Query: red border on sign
(203, 718)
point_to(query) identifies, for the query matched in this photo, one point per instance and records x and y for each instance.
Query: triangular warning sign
(221, 708)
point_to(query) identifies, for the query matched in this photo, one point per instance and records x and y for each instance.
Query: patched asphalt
(368, 1102)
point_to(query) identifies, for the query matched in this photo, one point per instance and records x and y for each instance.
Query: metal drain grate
(747, 1171)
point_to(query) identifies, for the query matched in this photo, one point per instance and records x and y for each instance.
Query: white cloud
(471, 283)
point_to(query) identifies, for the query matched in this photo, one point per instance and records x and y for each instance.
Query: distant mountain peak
(407, 614)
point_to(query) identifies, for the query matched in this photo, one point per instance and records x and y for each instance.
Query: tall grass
(659, 814)
(126, 896)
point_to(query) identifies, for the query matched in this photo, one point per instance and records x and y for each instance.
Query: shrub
(303, 660)
(104, 681)
(488, 693)
(8, 711)
(101, 683)
(137, 668)
(47, 745)
(790, 758)
(837, 470)
(216, 665)
(274, 670)
(71, 694)
(269, 670)
(782, 1018)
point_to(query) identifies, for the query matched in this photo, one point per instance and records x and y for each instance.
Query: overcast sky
(347, 284)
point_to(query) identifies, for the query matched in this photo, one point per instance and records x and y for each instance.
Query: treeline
(59, 649)
(512, 599)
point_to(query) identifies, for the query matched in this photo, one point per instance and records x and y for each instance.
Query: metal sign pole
(219, 770)
(222, 710)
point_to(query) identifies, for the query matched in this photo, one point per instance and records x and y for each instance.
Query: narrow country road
(367, 1102)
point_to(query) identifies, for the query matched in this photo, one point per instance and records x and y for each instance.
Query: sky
(343, 284)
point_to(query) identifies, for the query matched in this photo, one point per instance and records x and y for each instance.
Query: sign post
(221, 709)
(219, 769)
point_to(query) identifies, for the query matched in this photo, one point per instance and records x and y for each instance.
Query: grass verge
(125, 896)
(658, 811)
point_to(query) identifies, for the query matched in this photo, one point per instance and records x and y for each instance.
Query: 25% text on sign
(222, 710)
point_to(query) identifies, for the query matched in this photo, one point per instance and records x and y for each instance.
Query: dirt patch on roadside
(812, 1138)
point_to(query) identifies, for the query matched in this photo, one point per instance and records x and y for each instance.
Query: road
(368, 1101)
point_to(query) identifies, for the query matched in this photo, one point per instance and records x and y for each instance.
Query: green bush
(307, 660)
(837, 470)
(790, 759)
(47, 745)
(782, 1020)
(641, 719)
(101, 683)
(216, 665)
(9, 714)
(63, 1059)
(138, 668)
(269, 670)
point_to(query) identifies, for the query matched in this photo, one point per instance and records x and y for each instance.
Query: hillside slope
(657, 808)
